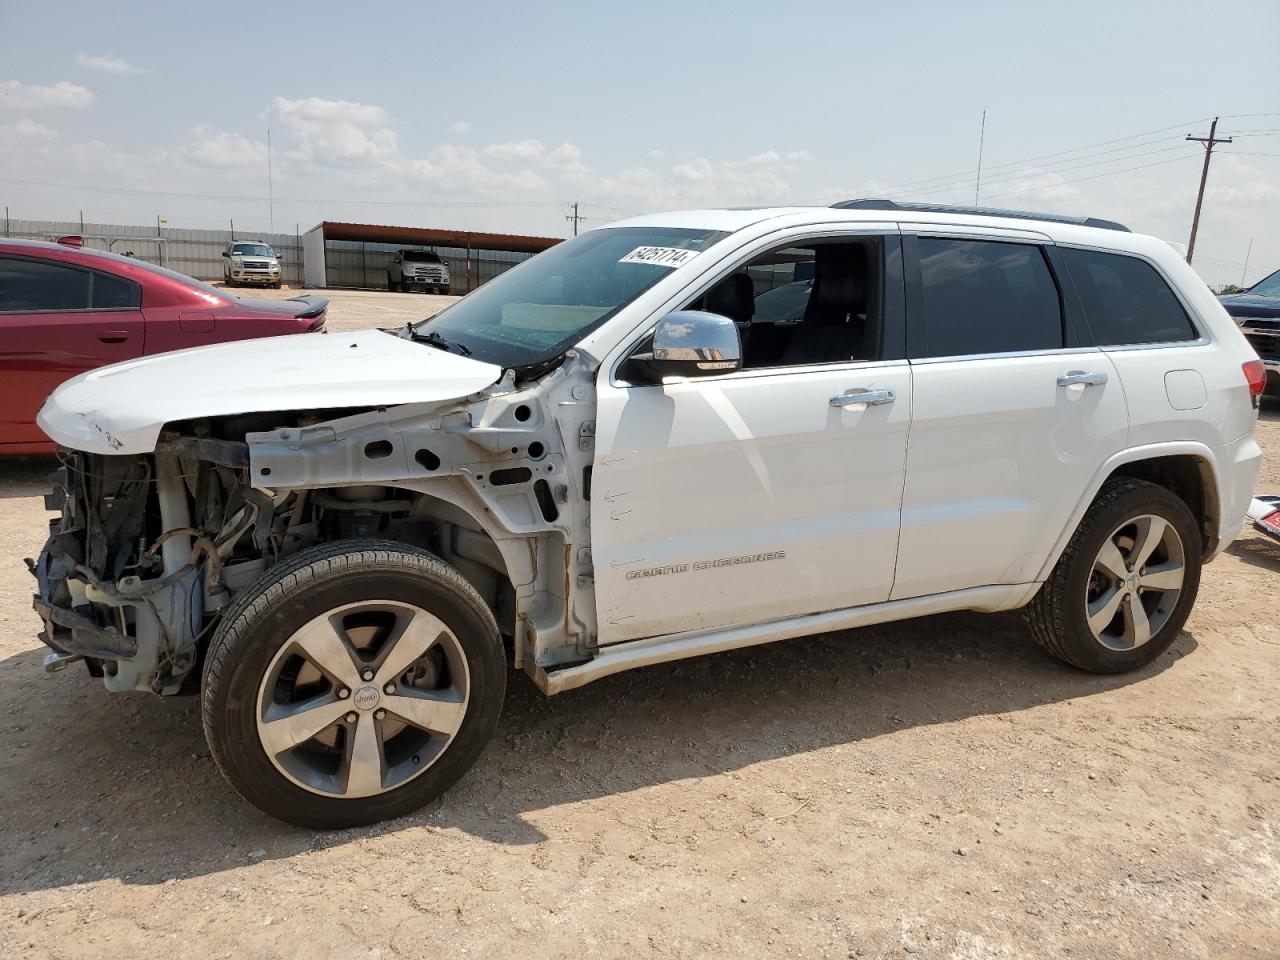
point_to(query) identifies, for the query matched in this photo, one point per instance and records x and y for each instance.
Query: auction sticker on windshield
(660, 256)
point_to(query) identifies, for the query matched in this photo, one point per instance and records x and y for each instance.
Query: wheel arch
(1187, 469)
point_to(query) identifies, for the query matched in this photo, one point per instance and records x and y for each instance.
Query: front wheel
(1126, 582)
(353, 683)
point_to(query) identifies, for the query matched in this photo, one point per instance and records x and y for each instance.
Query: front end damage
(150, 548)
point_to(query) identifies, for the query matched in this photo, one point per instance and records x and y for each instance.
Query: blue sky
(494, 115)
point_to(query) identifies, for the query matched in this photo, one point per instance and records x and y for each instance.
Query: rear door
(56, 321)
(1012, 411)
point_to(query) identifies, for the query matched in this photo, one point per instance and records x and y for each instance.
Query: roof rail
(977, 212)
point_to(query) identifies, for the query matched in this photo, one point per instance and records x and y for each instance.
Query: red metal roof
(430, 236)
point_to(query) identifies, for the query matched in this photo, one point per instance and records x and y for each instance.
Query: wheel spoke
(365, 765)
(323, 643)
(1167, 576)
(1103, 610)
(1150, 533)
(1137, 628)
(285, 727)
(1111, 560)
(438, 712)
(418, 635)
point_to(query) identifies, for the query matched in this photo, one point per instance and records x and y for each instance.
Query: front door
(769, 492)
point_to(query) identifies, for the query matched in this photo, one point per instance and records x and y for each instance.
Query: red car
(66, 309)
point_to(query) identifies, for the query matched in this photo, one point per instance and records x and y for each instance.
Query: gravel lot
(935, 788)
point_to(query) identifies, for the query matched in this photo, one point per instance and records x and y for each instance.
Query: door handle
(872, 398)
(114, 336)
(1085, 379)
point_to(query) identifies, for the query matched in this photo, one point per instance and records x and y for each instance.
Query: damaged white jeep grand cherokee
(601, 460)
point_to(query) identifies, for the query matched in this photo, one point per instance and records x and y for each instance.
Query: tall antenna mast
(982, 136)
(271, 203)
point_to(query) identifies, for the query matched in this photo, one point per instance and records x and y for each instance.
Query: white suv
(251, 262)
(602, 459)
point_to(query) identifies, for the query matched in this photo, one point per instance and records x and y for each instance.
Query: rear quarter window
(1126, 301)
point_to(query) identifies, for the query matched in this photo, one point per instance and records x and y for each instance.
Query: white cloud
(226, 150)
(106, 64)
(337, 131)
(460, 126)
(28, 131)
(464, 169)
(518, 150)
(16, 95)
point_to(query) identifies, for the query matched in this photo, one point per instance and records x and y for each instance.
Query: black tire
(1056, 617)
(264, 616)
(444, 291)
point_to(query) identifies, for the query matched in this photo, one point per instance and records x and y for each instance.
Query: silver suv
(251, 262)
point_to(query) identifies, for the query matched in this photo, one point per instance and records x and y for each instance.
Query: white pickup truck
(603, 459)
(411, 270)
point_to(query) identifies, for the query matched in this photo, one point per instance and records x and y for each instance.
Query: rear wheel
(1126, 583)
(353, 683)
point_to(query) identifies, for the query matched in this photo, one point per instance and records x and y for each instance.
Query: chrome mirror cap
(691, 343)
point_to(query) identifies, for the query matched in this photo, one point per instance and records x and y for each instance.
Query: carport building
(356, 255)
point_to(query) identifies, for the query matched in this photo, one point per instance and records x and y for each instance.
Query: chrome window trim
(760, 372)
(1008, 355)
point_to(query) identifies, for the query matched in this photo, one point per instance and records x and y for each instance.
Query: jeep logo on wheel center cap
(366, 697)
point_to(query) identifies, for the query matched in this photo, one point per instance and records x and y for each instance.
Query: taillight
(1256, 376)
(1272, 522)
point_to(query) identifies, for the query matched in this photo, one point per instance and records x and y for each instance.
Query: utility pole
(1209, 143)
(1247, 254)
(575, 218)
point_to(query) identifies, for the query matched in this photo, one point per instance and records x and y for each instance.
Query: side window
(30, 286)
(986, 296)
(115, 293)
(1126, 301)
(817, 303)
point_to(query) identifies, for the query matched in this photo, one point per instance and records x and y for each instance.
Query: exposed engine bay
(151, 548)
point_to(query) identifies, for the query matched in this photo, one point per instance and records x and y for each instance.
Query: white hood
(122, 408)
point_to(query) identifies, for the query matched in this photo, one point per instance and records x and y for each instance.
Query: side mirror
(226, 253)
(279, 257)
(691, 343)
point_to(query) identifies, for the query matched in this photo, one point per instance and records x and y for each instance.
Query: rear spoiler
(315, 305)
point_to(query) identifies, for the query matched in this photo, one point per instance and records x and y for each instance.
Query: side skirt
(679, 646)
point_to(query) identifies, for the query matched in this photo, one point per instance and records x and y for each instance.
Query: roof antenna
(982, 136)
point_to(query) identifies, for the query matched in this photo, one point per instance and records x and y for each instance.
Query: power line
(1109, 173)
(1209, 143)
(965, 174)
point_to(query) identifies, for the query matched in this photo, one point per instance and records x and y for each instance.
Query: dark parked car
(1257, 311)
(66, 309)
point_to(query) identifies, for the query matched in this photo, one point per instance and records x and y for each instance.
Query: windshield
(539, 309)
(1268, 287)
(252, 250)
(420, 256)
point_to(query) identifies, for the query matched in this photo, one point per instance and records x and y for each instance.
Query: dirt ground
(936, 788)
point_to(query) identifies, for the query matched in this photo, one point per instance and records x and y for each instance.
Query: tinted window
(1126, 300)
(27, 286)
(115, 293)
(987, 297)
